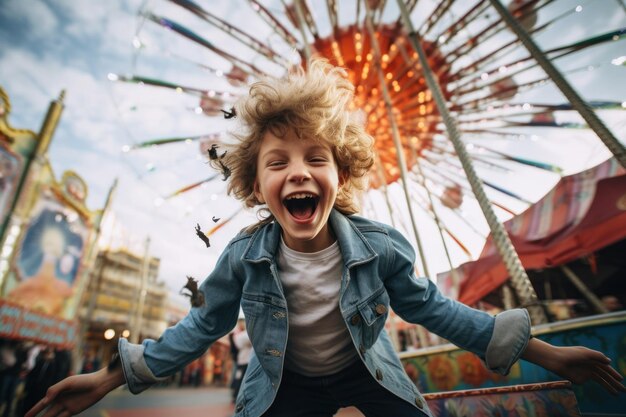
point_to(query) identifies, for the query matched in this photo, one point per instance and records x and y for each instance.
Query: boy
(315, 282)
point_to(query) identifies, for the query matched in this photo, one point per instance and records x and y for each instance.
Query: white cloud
(111, 23)
(23, 70)
(37, 20)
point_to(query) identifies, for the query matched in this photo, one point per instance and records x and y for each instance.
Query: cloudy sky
(51, 45)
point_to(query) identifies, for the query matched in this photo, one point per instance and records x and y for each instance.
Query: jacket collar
(355, 249)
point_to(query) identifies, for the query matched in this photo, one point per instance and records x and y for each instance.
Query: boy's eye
(275, 163)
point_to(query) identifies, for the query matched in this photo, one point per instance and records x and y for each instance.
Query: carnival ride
(472, 104)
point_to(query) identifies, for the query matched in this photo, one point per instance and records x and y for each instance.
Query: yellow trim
(5, 98)
(58, 189)
(5, 128)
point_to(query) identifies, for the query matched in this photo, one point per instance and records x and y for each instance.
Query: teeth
(300, 196)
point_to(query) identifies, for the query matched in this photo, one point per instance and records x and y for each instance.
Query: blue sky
(47, 46)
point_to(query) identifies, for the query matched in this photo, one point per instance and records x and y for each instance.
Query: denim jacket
(378, 274)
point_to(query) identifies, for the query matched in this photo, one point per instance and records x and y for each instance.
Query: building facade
(121, 301)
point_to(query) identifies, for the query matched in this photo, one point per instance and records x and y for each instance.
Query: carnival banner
(49, 257)
(46, 235)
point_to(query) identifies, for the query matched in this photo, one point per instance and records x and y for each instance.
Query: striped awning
(584, 212)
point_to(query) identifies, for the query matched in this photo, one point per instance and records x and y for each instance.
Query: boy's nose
(299, 173)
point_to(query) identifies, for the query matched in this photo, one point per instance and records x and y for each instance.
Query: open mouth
(302, 205)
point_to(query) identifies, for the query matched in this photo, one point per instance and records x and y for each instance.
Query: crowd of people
(27, 370)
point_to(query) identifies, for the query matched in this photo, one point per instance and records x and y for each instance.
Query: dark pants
(301, 396)
(8, 387)
(236, 384)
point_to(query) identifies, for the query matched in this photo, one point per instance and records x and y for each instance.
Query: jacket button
(274, 352)
(356, 319)
(279, 315)
(362, 350)
(379, 374)
(419, 403)
(381, 309)
(238, 408)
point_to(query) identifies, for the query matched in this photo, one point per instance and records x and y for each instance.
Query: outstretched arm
(77, 393)
(575, 363)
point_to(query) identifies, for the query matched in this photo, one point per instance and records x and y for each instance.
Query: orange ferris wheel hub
(412, 107)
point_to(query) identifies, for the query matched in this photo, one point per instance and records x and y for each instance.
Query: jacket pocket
(258, 308)
(374, 312)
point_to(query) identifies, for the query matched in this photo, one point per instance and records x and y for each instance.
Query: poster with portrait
(9, 175)
(49, 258)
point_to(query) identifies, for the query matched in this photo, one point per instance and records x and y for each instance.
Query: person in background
(233, 356)
(195, 373)
(14, 362)
(44, 374)
(91, 363)
(244, 350)
(611, 303)
(63, 359)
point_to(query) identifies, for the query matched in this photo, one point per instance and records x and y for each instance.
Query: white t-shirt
(319, 342)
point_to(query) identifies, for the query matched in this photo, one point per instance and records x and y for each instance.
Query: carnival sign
(17, 323)
(49, 258)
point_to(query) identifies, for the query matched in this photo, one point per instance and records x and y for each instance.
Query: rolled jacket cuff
(136, 372)
(509, 340)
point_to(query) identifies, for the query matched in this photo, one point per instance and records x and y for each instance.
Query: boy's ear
(344, 175)
(257, 193)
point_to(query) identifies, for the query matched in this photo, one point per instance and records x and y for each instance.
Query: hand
(580, 364)
(575, 363)
(77, 393)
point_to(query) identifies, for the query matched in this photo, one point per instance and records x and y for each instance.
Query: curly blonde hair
(314, 103)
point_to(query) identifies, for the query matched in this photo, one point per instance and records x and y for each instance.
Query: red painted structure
(583, 213)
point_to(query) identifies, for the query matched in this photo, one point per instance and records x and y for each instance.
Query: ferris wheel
(478, 109)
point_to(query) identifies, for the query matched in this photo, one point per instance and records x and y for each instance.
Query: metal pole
(584, 290)
(302, 21)
(456, 280)
(568, 91)
(138, 317)
(519, 279)
(394, 132)
(383, 186)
